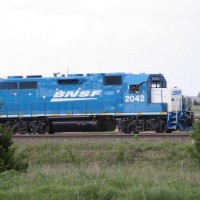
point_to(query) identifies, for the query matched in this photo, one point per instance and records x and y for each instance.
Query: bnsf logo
(75, 95)
(176, 92)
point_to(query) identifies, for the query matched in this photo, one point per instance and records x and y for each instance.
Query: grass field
(104, 170)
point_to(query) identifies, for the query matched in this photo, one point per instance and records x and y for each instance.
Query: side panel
(172, 97)
(160, 95)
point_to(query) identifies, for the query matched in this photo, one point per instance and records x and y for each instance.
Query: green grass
(104, 170)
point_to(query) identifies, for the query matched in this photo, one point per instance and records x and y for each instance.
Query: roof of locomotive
(127, 77)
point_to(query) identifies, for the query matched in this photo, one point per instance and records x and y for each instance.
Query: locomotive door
(176, 100)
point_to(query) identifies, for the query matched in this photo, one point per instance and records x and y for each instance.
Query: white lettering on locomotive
(77, 95)
(71, 94)
(135, 98)
(59, 94)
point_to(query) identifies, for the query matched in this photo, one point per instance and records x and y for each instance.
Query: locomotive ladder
(174, 120)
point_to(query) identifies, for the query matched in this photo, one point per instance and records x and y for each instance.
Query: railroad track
(100, 135)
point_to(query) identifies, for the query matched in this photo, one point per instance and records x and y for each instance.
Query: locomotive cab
(142, 112)
(153, 106)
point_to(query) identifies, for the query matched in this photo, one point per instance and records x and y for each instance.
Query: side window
(134, 89)
(155, 84)
(28, 85)
(8, 85)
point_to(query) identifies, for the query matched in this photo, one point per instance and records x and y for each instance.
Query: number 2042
(132, 98)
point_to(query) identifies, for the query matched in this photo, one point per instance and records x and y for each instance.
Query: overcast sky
(89, 36)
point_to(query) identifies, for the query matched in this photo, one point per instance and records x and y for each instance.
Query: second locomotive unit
(93, 102)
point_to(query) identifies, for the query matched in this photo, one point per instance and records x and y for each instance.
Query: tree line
(197, 102)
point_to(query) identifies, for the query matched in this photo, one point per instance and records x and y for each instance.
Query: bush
(8, 159)
(196, 138)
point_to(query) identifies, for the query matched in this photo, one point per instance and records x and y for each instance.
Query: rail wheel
(133, 129)
(168, 131)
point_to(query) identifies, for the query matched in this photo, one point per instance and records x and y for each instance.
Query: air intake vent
(34, 76)
(75, 75)
(11, 77)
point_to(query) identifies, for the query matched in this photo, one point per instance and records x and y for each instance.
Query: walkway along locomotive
(93, 102)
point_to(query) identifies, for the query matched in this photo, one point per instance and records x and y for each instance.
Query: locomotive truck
(93, 102)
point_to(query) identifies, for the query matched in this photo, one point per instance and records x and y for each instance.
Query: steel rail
(102, 135)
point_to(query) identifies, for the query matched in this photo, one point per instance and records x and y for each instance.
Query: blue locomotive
(93, 102)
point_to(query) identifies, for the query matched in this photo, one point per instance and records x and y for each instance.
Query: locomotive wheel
(31, 128)
(159, 131)
(16, 130)
(160, 127)
(127, 132)
(168, 131)
(132, 129)
(49, 128)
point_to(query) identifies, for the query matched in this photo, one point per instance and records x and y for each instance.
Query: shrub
(196, 138)
(8, 159)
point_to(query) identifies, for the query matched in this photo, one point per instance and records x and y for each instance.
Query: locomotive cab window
(155, 84)
(158, 82)
(134, 89)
